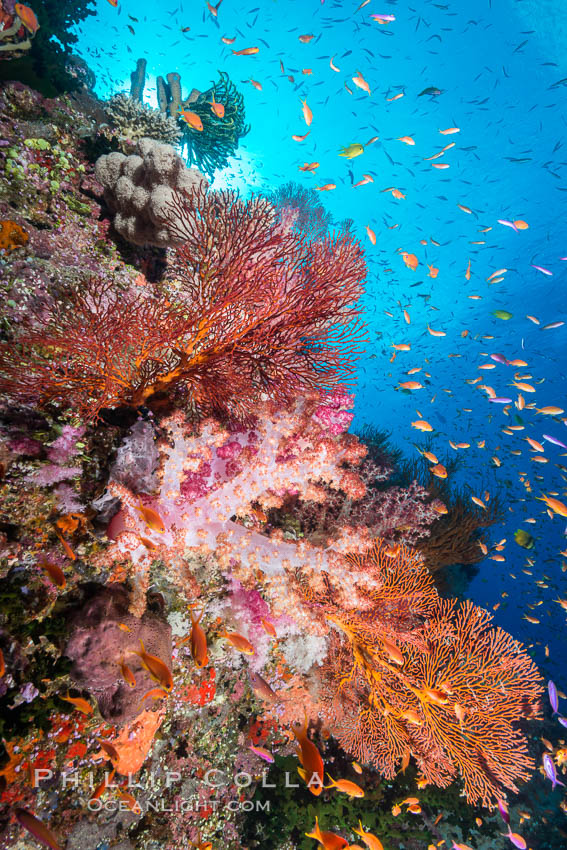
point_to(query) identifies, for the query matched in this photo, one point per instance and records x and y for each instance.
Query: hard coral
(133, 120)
(139, 187)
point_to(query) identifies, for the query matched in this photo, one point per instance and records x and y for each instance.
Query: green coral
(211, 147)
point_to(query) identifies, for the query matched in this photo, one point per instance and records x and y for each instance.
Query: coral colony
(204, 574)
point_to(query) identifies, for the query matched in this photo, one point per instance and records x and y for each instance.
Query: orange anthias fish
(217, 108)
(248, 51)
(80, 704)
(27, 17)
(369, 839)
(239, 642)
(198, 642)
(192, 120)
(327, 187)
(156, 668)
(346, 786)
(309, 166)
(410, 260)
(327, 840)
(151, 517)
(313, 768)
(37, 828)
(300, 138)
(127, 674)
(361, 83)
(307, 114)
(54, 572)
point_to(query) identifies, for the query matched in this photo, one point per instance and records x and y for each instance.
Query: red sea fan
(255, 311)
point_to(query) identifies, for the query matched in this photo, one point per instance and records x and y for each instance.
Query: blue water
(499, 66)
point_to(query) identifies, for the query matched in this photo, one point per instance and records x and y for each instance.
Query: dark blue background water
(500, 67)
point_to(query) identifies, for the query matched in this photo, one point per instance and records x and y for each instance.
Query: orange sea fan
(414, 674)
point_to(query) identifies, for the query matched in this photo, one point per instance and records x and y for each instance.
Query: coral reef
(224, 341)
(132, 120)
(48, 64)
(138, 189)
(311, 216)
(220, 476)
(210, 148)
(102, 637)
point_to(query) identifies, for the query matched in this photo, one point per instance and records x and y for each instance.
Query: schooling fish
(354, 149)
(156, 668)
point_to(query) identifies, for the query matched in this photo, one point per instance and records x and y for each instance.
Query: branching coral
(257, 311)
(413, 675)
(134, 120)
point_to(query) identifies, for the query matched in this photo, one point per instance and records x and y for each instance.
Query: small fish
(411, 385)
(502, 314)
(516, 839)
(2, 664)
(247, 51)
(100, 789)
(327, 187)
(371, 841)
(550, 772)
(263, 753)
(198, 640)
(54, 572)
(154, 693)
(383, 19)
(268, 627)
(351, 789)
(361, 83)
(310, 758)
(422, 425)
(37, 828)
(327, 840)
(157, 669)
(127, 674)
(554, 440)
(80, 704)
(542, 270)
(194, 121)
(371, 234)
(109, 749)
(406, 139)
(217, 108)
(305, 39)
(524, 539)
(307, 114)
(410, 260)
(354, 149)
(260, 687)
(553, 696)
(433, 91)
(556, 506)
(300, 138)
(239, 642)
(28, 17)
(439, 471)
(151, 517)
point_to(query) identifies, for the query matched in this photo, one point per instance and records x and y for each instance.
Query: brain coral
(139, 186)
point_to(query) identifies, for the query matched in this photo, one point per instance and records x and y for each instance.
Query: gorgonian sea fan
(253, 310)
